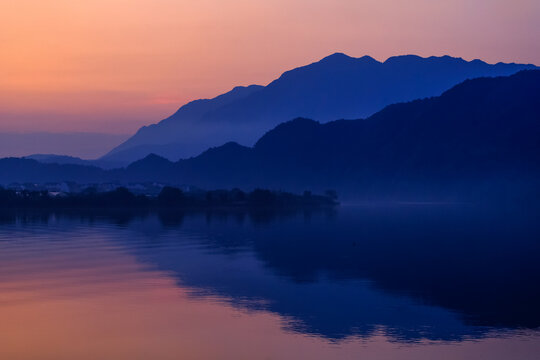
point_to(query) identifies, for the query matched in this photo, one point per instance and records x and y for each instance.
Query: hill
(478, 139)
(337, 87)
(64, 160)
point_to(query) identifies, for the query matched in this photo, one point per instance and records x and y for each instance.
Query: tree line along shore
(169, 197)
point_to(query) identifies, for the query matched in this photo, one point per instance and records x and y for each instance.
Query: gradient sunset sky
(114, 65)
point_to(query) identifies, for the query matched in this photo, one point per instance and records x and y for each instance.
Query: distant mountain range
(337, 87)
(480, 137)
(76, 144)
(65, 159)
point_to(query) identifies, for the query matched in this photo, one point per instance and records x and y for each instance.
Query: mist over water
(409, 281)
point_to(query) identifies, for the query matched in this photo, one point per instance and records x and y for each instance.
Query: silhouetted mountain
(337, 87)
(64, 159)
(182, 134)
(57, 159)
(32, 171)
(480, 137)
(483, 134)
(152, 164)
(84, 145)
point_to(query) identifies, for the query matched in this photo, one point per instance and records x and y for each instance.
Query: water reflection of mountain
(438, 273)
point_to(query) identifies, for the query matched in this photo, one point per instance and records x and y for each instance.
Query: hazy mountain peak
(416, 59)
(227, 151)
(51, 157)
(451, 145)
(336, 55)
(151, 158)
(151, 163)
(154, 157)
(234, 94)
(229, 146)
(336, 58)
(336, 87)
(481, 62)
(248, 87)
(299, 122)
(448, 58)
(402, 58)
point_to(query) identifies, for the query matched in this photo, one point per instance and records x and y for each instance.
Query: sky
(114, 65)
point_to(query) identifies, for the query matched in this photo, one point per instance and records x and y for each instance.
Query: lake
(401, 281)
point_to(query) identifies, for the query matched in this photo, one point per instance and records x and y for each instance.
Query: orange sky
(114, 65)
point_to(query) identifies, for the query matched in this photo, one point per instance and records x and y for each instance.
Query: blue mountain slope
(181, 133)
(478, 140)
(337, 87)
(72, 160)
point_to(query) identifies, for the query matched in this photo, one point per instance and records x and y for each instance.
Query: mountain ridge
(335, 87)
(480, 138)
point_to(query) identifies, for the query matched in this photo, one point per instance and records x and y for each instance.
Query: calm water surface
(379, 282)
